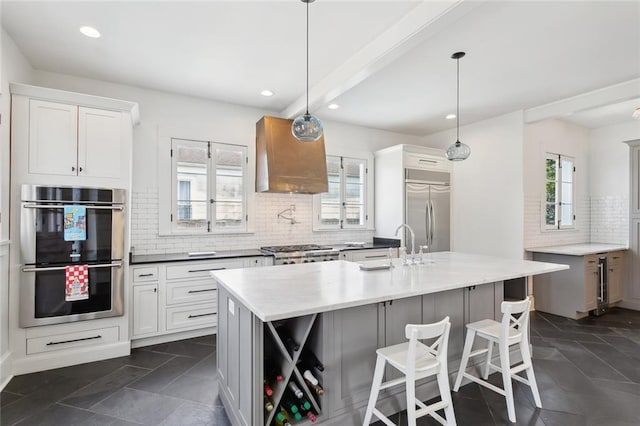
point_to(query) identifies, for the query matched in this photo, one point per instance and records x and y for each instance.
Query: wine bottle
(306, 410)
(289, 404)
(268, 405)
(292, 416)
(308, 375)
(271, 371)
(309, 358)
(295, 389)
(282, 419)
(267, 389)
(291, 344)
(316, 387)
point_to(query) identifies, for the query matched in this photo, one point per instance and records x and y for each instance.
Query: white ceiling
(604, 115)
(519, 54)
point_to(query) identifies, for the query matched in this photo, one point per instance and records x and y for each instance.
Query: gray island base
(342, 314)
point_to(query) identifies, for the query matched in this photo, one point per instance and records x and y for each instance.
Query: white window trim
(543, 204)
(166, 185)
(368, 197)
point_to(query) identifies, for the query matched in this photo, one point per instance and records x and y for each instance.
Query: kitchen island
(341, 314)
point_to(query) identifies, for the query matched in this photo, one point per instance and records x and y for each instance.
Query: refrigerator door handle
(433, 221)
(427, 221)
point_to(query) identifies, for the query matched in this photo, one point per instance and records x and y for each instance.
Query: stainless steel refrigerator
(428, 208)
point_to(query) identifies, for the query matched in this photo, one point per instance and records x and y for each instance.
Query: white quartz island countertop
(579, 249)
(287, 291)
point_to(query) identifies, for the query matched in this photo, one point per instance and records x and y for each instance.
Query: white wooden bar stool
(509, 332)
(416, 360)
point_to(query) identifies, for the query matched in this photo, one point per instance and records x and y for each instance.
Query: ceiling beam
(606, 96)
(418, 25)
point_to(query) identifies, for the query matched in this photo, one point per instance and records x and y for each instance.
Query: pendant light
(306, 127)
(458, 151)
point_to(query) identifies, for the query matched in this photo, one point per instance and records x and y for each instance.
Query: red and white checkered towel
(77, 282)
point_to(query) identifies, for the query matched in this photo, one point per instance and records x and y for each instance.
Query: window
(208, 193)
(559, 192)
(344, 206)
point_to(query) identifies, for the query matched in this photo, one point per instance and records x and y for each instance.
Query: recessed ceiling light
(90, 32)
(266, 93)
(450, 116)
(636, 113)
(333, 106)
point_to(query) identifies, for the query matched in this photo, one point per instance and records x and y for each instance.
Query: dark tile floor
(588, 373)
(172, 384)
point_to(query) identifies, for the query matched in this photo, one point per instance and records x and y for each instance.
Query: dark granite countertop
(184, 257)
(378, 243)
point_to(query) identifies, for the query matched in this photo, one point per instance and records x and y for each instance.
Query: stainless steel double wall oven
(46, 254)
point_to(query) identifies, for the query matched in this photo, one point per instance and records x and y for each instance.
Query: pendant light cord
(307, 58)
(458, 99)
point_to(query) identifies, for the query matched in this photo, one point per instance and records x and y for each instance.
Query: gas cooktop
(292, 248)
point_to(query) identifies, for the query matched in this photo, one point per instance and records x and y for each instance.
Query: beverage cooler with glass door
(72, 248)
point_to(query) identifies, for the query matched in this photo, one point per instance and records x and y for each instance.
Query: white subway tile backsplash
(268, 229)
(598, 220)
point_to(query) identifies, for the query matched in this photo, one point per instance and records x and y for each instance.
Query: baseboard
(65, 358)
(630, 304)
(156, 340)
(5, 369)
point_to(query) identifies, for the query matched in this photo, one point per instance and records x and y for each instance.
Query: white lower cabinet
(145, 312)
(179, 297)
(75, 340)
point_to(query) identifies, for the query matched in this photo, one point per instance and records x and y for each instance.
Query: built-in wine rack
(286, 344)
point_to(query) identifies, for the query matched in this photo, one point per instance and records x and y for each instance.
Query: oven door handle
(62, 268)
(59, 206)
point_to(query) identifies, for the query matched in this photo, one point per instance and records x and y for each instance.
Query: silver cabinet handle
(379, 256)
(601, 274)
(201, 291)
(60, 206)
(201, 315)
(62, 268)
(205, 270)
(74, 340)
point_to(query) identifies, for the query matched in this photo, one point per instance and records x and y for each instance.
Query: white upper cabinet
(68, 138)
(74, 141)
(53, 135)
(99, 143)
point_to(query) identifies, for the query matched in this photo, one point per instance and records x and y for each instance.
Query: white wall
(487, 194)
(609, 158)
(609, 181)
(14, 68)
(184, 116)
(557, 137)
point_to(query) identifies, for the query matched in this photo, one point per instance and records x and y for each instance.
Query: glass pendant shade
(458, 151)
(306, 128)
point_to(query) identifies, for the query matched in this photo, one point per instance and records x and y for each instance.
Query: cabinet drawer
(373, 254)
(192, 316)
(192, 292)
(195, 270)
(141, 275)
(425, 162)
(56, 342)
(615, 259)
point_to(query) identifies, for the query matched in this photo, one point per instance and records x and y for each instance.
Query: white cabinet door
(53, 138)
(99, 143)
(145, 309)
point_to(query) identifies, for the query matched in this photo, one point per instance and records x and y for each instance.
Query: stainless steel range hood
(284, 164)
